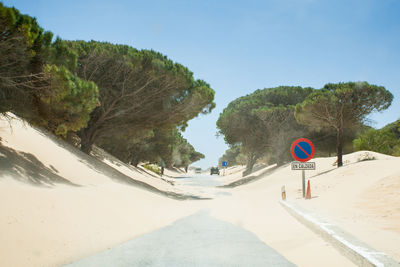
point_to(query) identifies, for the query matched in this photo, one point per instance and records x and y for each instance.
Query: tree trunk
(281, 157)
(251, 160)
(339, 144)
(134, 161)
(87, 141)
(86, 147)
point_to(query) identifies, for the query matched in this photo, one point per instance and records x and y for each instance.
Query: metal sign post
(224, 164)
(303, 150)
(303, 166)
(303, 179)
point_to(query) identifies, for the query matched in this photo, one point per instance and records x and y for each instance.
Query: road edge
(348, 245)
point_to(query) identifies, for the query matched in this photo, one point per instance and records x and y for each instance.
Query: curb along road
(355, 250)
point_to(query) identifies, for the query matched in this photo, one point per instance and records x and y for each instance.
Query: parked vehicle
(197, 170)
(214, 170)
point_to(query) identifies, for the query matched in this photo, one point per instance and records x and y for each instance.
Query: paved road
(196, 240)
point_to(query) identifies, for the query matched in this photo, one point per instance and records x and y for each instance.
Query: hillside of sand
(361, 197)
(58, 204)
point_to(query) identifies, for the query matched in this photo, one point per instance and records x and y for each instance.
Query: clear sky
(241, 46)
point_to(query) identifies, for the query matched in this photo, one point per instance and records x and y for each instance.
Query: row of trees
(101, 93)
(31, 85)
(385, 140)
(266, 122)
(164, 146)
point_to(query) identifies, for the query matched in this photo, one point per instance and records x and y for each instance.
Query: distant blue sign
(224, 164)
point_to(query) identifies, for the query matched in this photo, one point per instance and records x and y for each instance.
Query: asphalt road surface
(196, 240)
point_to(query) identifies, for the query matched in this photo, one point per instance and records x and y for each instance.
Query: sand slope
(58, 205)
(361, 197)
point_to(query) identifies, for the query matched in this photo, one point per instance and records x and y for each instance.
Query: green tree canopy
(67, 106)
(126, 99)
(22, 41)
(233, 155)
(263, 122)
(31, 85)
(385, 140)
(164, 146)
(139, 89)
(342, 106)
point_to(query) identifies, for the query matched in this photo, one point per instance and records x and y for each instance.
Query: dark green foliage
(324, 141)
(115, 94)
(185, 154)
(342, 107)
(31, 85)
(67, 106)
(283, 129)
(385, 140)
(234, 156)
(20, 36)
(60, 54)
(263, 122)
(152, 168)
(163, 146)
(138, 90)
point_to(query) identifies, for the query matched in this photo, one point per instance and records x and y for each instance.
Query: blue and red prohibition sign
(302, 150)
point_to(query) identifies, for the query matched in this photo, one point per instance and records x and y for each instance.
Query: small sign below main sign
(303, 165)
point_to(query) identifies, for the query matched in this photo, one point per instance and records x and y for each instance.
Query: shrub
(385, 140)
(152, 168)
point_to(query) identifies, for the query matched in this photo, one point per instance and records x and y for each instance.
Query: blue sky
(241, 46)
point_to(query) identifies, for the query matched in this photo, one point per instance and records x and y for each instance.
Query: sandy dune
(361, 197)
(59, 205)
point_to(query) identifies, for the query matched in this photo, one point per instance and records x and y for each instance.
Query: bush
(385, 140)
(152, 168)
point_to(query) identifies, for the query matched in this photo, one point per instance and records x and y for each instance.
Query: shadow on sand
(27, 168)
(252, 178)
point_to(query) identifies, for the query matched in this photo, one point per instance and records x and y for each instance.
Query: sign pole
(303, 176)
(303, 150)
(224, 165)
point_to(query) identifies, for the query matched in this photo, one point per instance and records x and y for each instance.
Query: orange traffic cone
(308, 194)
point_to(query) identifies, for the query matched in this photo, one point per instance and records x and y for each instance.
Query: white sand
(141, 174)
(53, 225)
(361, 197)
(50, 226)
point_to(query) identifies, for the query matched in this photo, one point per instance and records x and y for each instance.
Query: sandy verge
(74, 210)
(361, 197)
(56, 207)
(54, 226)
(255, 207)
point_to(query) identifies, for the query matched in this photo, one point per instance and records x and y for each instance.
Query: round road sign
(302, 150)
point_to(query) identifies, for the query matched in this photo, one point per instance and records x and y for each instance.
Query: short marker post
(283, 193)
